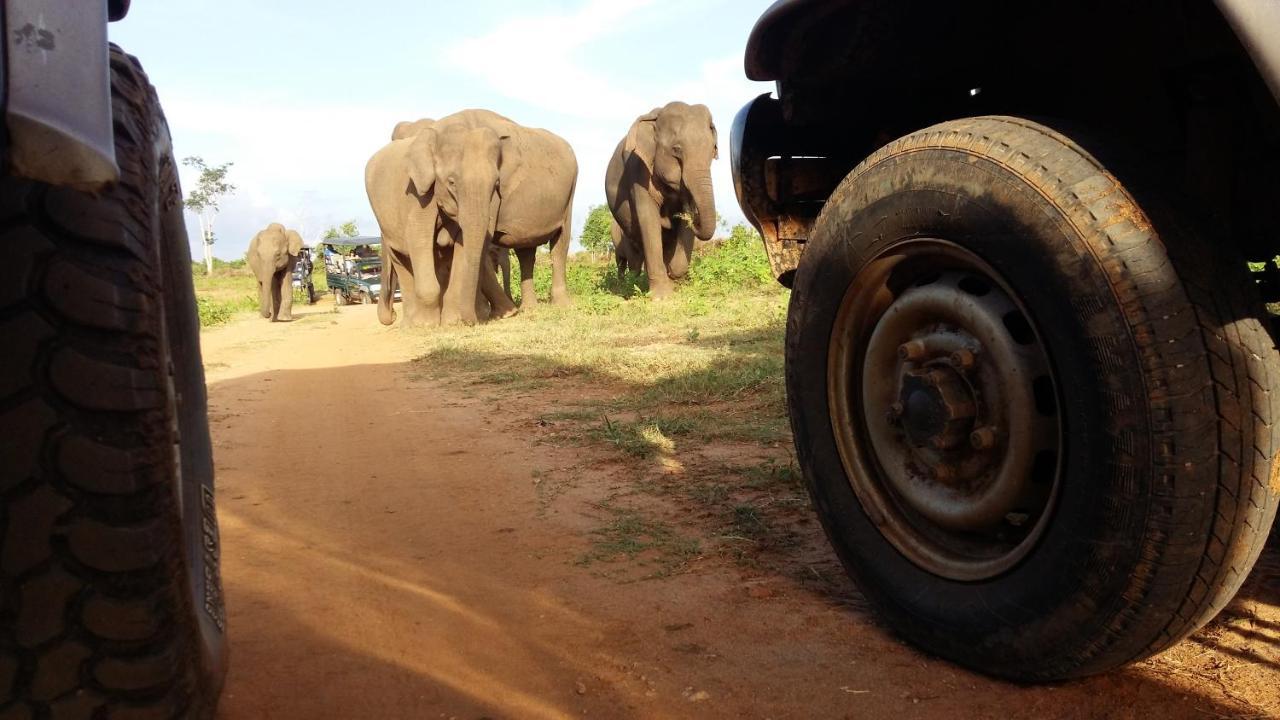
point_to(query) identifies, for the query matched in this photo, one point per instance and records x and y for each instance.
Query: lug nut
(962, 359)
(943, 473)
(912, 350)
(984, 438)
(895, 412)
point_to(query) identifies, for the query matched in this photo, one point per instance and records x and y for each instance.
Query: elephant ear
(422, 161)
(402, 130)
(509, 162)
(642, 138)
(295, 242)
(715, 143)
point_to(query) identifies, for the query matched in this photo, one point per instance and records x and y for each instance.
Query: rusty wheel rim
(945, 409)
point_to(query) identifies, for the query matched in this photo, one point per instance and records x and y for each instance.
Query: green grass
(687, 394)
(653, 545)
(671, 363)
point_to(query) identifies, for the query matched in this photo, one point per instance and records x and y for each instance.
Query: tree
(596, 236)
(211, 187)
(347, 229)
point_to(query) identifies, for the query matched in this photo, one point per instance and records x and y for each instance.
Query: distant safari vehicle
(302, 282)
(353, 269)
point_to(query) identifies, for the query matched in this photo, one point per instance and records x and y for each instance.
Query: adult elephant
(273, 252)
(468, 181)
(662, 168)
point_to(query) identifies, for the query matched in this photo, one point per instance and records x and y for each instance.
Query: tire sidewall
(1069, 578)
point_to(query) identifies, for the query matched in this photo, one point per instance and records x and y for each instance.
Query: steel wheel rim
(945, 409)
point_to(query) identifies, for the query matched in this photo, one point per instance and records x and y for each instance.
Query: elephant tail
(387, 296)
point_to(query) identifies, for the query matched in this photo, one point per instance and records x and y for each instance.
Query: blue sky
(299, 93)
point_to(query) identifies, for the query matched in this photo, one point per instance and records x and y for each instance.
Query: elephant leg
(387, 288)
(649, 223)
(273, 290)
(284, 312)
(677, 252)
(526, 257)
(619, 251)
(499, 302)
(504, 264)
(560, 259)
(415, 315)
(636, 257)
(264, 299)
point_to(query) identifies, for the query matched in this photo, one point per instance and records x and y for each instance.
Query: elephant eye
(453, 180)
(677, 150)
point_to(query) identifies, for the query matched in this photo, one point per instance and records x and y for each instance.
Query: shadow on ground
(391, 560)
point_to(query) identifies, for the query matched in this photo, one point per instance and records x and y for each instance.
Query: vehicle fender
(58, 93)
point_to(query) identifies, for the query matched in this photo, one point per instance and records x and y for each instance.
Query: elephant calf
(660, 169)
(272, 254)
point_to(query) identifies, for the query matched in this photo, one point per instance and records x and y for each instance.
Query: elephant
(466, 182)
(662, 168)
(409, 128)
(273, 252)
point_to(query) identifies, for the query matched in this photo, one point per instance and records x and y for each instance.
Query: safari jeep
(1030, 379)
(353, 269)
(110, 599)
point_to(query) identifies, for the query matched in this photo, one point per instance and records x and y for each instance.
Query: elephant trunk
(703, 205)
(464, 277)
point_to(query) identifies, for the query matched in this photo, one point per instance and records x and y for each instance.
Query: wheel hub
(956, 450)
(937, 408)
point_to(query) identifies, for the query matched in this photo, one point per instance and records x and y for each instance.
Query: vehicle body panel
(840, 96)
(58, 99)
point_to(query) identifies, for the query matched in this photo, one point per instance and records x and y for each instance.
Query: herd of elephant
(453, 195)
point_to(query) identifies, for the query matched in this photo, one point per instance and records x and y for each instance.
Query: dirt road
(388, 554)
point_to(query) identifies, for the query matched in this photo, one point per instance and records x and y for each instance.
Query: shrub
(736, 262)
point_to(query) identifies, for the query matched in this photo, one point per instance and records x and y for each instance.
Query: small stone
(580, 687)
(700, 696)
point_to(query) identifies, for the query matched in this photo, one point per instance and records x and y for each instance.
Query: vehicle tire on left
(110, 597)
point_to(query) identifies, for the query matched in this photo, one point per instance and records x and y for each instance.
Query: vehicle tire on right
(1037, 417)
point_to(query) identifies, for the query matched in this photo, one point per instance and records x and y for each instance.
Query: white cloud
(300, 166)
(543, 62)
(537, 59)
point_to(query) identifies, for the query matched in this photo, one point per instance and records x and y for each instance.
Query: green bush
(719, 267)
(736, 262)
(213, 312)
(217, 312)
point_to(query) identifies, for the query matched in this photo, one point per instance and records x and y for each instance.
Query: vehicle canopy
(330, 246)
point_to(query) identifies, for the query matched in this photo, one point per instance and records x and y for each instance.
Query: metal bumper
(58, 99)
(780, 184)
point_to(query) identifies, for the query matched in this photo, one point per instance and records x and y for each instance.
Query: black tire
(1163, 494)
(110, 597)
